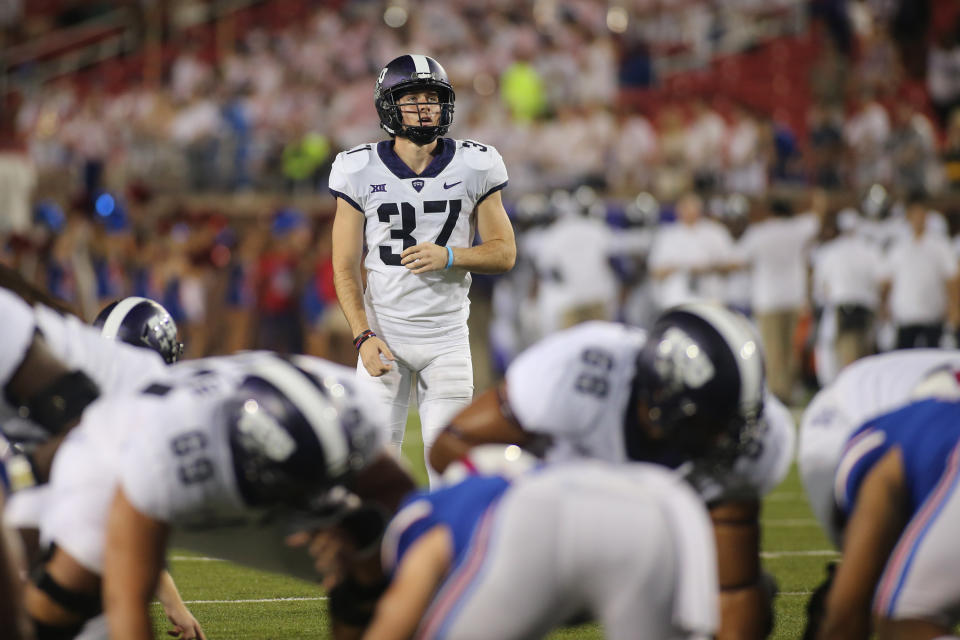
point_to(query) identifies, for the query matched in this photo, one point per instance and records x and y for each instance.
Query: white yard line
(828, 553)
(785, 496)
(789, 522)
(194, 559)
(255, 600)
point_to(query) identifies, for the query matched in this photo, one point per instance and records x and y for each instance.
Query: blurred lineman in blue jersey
(895, 492)
(491, 558)
(416, 201)
(867, 389)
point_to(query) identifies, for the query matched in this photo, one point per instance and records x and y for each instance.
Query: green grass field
(233, 603)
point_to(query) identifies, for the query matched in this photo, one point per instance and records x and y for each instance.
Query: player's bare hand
(330, 551)
(185, 626)
(370, 354)
(424, 257)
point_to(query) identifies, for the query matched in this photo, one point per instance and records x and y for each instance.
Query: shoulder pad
(355, 159)
(477, 155)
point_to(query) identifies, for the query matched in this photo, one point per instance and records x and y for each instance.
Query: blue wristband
(449, 258)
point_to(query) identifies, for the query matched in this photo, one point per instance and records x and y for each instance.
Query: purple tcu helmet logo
(681, 362)
(418, 184)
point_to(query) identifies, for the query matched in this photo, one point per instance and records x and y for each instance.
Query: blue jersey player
(487, 558)
(895, 493)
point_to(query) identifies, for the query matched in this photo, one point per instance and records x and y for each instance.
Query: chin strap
(418, 137)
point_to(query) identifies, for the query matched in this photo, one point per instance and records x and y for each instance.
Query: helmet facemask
(141, 322)
(277, 459)
(689, 389)
(391, 111)
(406, 74)
(160, 334)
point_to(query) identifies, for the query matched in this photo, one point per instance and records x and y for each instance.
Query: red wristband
(363, 337)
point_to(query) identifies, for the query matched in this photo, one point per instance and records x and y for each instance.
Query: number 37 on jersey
(402, 209)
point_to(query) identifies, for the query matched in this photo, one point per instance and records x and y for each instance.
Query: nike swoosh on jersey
(450, 186)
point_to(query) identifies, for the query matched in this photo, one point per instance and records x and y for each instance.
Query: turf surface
(233, 603)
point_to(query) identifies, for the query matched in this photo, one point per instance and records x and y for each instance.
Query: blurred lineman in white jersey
(226, 452)
(416, 201)
(96, 366)
(691, 393)
(866, 389)
(116, 369)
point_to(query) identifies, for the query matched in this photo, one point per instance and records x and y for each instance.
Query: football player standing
(416, 201)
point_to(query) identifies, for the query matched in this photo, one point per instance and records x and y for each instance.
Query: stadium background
(179, 149)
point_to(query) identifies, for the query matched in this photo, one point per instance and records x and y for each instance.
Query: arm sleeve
(496, 176)
(19, 326)
(542, 383)
(809, 226)
(144, 473)
(340, 186)
(725, 248)
(743, 248)
(861, 452)
(888, 264)
(877, 264)
(660, 251)
(529, 384)
(949, 260)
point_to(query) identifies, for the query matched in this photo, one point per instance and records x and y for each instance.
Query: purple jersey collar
(443, 154)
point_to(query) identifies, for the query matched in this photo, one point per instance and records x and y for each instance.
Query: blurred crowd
(826, 281)
(229, 283)
(272, 110)
(544, 82)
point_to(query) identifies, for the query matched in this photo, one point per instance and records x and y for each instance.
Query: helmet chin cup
(419, 135)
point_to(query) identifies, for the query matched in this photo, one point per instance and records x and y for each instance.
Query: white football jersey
(403, 209)
(575, 387)
(159, 455)
(167, 449)
(114, 366)
(19, 326)
(866, 389)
